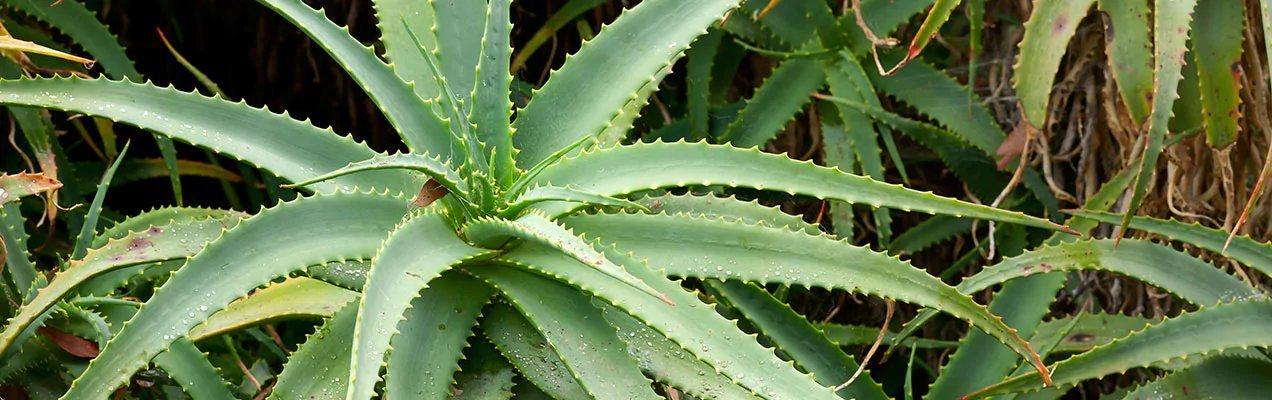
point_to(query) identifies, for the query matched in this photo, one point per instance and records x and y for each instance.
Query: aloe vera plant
(541, 251)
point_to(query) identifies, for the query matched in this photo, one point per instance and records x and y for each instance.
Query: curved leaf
(1220, 377)
(860, 335)
(541, 194)
(808, 347)
(625, 169)
(396, 18)
(274, 243)
(710, 205)
(1130, 53)
(290, 149)
(1079, 333)
(1171, 21)
(156, 243)
(776, 102)
(17, 266)
(1244, 249)
(1047, 33)
(95, 208)
(581, 97)
(706, 248)
(415, 253)
(691, 324)
(701, 59)
(1191, 279)
(1217, 49)
(576, 332)
(159, 217)
(458, 26)
(295, 298)
(189, 367)
(669, 363)
(491, 112)
(430, 341)
(534, 228)
(431, 166)
(15, 187)
(1022, 303)
(1226, 326)
(420, 128)
(81, 25)
(526, 348)
(319, 368)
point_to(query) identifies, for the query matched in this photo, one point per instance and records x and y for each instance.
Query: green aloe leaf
(713, 206)
(576, 331)
(1226, 326)
(670, 364)
(430, 341)
(157, 243)
(797, 23)
(1217, 49)
(291, 149)
(1130, 53)
(940, 12)
(431, 166)
(535, 228)
(319, 368)
(1079, 333)
(710, 248)
(83, 26)
(400, 270)
(270, 245)
(811, 350)
(1022, 303)
(1191, 279)
(492, 105)
(1219, 377)
(690, 323)
(95, 208)
(1172, 19)
(1243, 249)
(190, 368)
(295, 298)
(625, 169)
(396, 18)
(106, 283)
(938, 96)
(527, 349)
(484, 374)
(580, 98)
(847, 79)
(776, 102)
(927, 233)
(701, 60)
(458, 26)
(18, 267)
(1047, 33)
(421, 129)
(161, 216)
(541, 194)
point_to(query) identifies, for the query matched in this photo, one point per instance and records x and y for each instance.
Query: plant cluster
(553, 251)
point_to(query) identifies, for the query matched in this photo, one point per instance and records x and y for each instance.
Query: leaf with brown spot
(14, 187)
